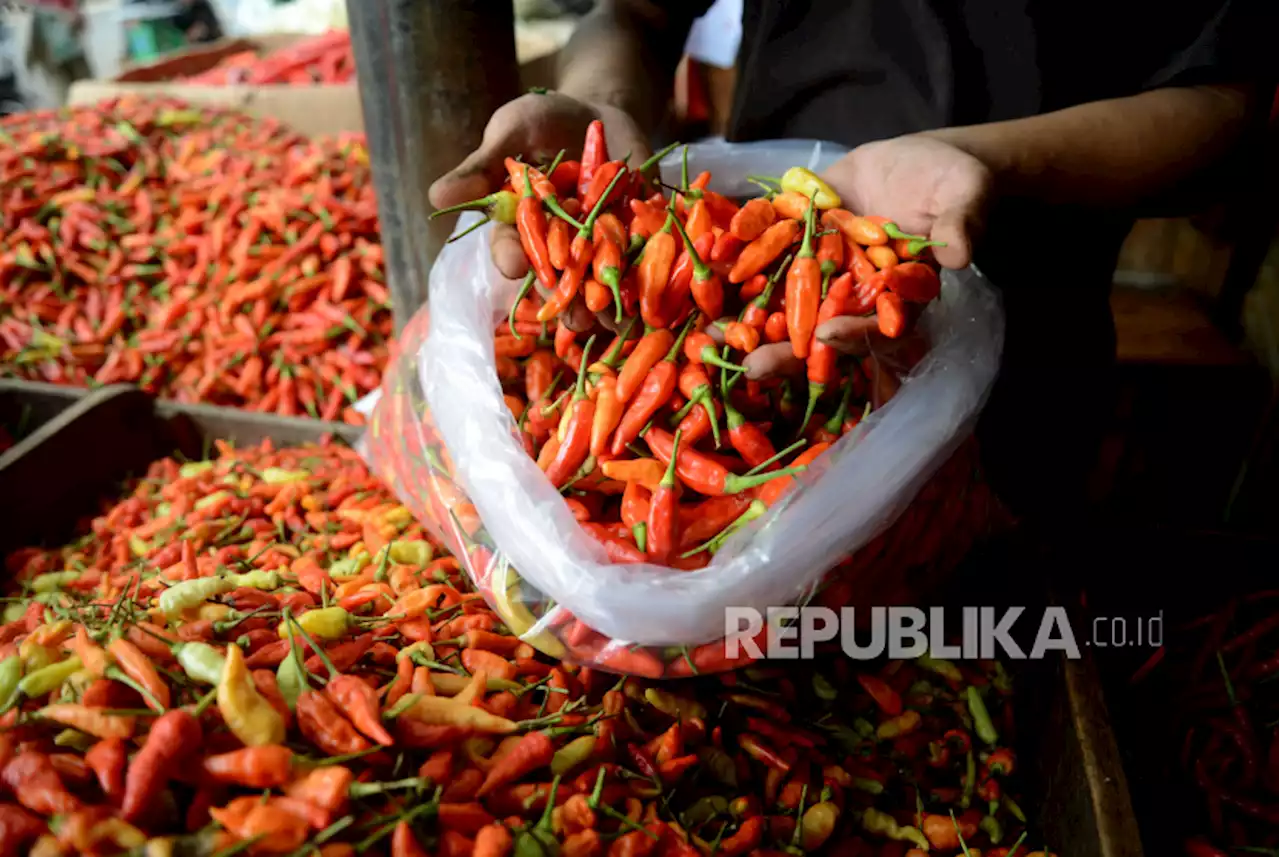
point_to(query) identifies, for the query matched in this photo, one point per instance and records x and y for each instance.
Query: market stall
(322, 537)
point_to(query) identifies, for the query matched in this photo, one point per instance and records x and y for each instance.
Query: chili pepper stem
(525, 288)
(815, 393)
(319, 650)
(656, 158)
(777, 456)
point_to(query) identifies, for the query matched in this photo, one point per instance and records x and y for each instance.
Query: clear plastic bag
(443, 436)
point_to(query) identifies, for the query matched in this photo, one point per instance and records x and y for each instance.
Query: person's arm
(1118, 153)
(624, 54)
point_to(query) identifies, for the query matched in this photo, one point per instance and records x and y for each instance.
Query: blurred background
(1195, 299)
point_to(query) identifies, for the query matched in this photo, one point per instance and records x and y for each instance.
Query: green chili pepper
(990, 826)
(416, 552)
(941, 667)
(982, 724)
(194, 468)
(201, 662)
(190, 593)
(50, 678)
(573, 754)
(277, 475)
(349, 567)
(54, 580)
(868, 785)
(539, 840)
(289, 678)
(10, 676)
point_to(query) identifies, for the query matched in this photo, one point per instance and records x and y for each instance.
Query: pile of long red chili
(321, 59)
(691, 284)
(660, 443)
(262, 653)
(199, 253)
(1224, 714)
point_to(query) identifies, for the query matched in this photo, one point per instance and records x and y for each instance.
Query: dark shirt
(852, 71)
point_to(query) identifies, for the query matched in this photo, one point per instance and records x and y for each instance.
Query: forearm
(1122, 152)
(623, 54)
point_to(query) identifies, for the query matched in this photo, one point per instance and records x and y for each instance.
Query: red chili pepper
(821, 363)
(647, 353)
(531, 224)
(107, 760)
(576, 445)
(652, 273)
(175, 736)
(359, 701)
(891, 314)
(533, 751)
(594, 153)
(598, 192)
(702, 473)
(885, 697)
(804, 293)
(662, 535)
(655, 392)
(916, 282)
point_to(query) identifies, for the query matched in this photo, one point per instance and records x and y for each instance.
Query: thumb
(481, 173)
(956, 228)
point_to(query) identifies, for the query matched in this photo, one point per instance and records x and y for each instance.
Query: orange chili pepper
(652, 272)
(137, 666)
(753, 218)
(804, 293)
(759, 253)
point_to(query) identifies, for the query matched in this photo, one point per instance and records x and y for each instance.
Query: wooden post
(430, 75)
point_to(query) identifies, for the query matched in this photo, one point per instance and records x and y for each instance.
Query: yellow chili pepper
(213, 611)
(674, 706)
(817, 825)
(192, 593)
(895, 727)
(807, 184)
(257, 579)
(446, 711)
(50, 678)
(35, 656)
(327, 623)
(874, 821)
(519, 619)
(422, 647)
(248, 714)
(452, 684)
(53, 633)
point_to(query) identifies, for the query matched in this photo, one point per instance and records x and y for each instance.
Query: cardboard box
(310, 110)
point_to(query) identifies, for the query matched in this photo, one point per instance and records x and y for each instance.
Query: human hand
(923, 184)
(536, 127)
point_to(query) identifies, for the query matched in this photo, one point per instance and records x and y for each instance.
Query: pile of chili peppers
(262, 653)
(661, 446)
(322, 59)
(201, 254)
(1223, 719)
(691, 284)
